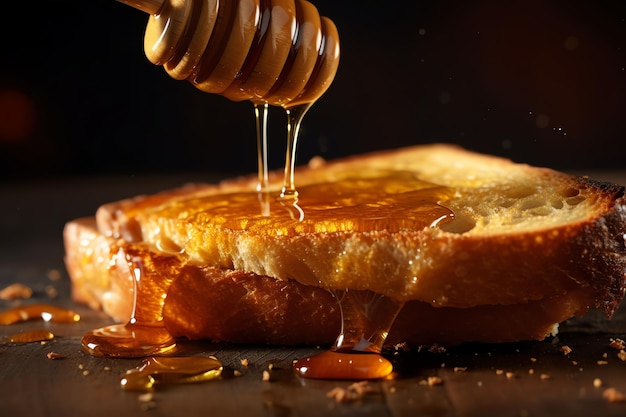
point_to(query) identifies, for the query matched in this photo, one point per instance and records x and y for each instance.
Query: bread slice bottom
(234, 306)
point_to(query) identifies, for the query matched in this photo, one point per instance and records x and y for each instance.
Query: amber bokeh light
(17, 115)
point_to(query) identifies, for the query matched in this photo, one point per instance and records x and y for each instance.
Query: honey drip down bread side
(527, 249)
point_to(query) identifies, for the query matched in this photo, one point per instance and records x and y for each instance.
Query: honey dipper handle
(148, 6)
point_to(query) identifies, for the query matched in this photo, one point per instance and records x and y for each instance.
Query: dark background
(542, 82)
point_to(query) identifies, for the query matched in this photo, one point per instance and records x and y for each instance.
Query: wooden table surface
(517, 379)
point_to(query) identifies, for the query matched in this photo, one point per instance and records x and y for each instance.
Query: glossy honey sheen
(354, 365)
(156, 371)
(29, 336)
(387, 200)
(45, 312)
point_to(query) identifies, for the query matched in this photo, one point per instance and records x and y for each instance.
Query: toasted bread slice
(528, 248)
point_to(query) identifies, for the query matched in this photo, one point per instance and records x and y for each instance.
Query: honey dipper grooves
(279, 52)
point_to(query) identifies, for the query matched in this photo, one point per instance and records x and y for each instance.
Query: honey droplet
(128, 341)
(48, 313)
(29, 336)
(159, 370)
(343, 365)
(366, 319)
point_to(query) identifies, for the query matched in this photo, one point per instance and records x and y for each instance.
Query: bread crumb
(602, 363)
(499, 372)
(54, 275)
(574, 363)
(617, 344)
(361, 387)
(605, 355)
(147, 406)
(434, 380)
(85, 372)
(622, 355)
(545, 377)
(51, 292)
(107, 368)
(237, 372)
(612, 395)
(54, 355)
(244, 362)
(402, 346)
(459, 369)
(16, 292)
(351, 393)
(597, 382)
(479, 383)
(266, 376)
(510, 375)
(316, 162)
(531, 371)
(80, 366)
(147, 401)
(566, 350)
(533, 360)
(144, 398)
(340, 395)
(437, 349)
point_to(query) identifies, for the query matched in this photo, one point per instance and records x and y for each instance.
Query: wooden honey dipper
(270, 52)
